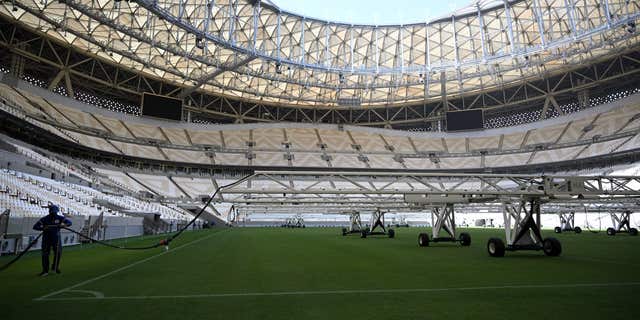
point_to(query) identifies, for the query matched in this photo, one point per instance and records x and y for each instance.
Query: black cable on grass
(163, 242)
(106, 244)
(8, 264)
(171, 238)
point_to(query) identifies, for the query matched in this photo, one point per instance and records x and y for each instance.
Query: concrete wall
(120, 227)
(20, 230)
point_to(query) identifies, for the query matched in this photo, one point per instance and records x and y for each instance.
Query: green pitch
(319, 274)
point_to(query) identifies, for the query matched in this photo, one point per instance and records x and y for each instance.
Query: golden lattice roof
(253, 51)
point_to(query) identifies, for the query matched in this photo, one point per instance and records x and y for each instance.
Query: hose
(164, 242)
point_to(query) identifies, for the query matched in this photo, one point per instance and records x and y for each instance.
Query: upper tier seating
(51, 163)
(593, 132)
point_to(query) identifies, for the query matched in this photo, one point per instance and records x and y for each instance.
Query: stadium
(237, 159)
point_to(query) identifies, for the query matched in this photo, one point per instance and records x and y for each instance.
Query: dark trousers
(48, 244)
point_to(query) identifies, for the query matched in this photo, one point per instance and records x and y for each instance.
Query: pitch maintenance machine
(521, 207)
(355, 223)
(520, 197)
(621, 223)
(377, 226)
(442, 219)
(567, 223)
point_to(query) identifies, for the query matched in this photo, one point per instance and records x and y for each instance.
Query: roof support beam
(256, 9)
(538, 13)
(278, 37)
(202, 81)
(68, 84)
(507, 10)
(482, 34)
(607, 13)
(303, 52)
(56, 80)
(571, 14)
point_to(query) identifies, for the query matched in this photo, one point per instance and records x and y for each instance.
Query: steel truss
(355, 224)
(60, 65)
(443, 219)
(407, 191)
(567, 222)
(433, 187)
(522, 225)
(377, 222)
(385, 65)
(521, 197)
(296, 221)
(621, 223)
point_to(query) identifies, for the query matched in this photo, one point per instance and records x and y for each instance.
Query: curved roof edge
(470, 9)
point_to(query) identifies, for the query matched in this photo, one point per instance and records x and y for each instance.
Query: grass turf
(319, 274)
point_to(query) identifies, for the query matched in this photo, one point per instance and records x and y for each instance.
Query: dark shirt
(50, 225)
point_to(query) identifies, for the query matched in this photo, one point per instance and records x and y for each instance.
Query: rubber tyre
(495, 247)
(577, 230)
(344, 231)
(611, 231)
(391, 233)
(423, 240)
(557, 230)
(363, 234)
(551, 247)
(465, 239)
(633, 232)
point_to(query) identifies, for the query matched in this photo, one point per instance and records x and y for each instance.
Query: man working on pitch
(50, 227)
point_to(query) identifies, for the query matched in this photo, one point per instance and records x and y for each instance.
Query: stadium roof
(377, 12)
(253, 51)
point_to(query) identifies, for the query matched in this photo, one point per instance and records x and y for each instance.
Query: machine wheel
(465, 239)
(363, 234)
(611, 231)
(577, 230)
(391, 233)
(557, 230)
(423, 240)
(633, 232)
(551, 247)
(344, 231)
(495, 247)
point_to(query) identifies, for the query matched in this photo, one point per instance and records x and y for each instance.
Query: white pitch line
(356, 291)
(96, 294)
(121, 269)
